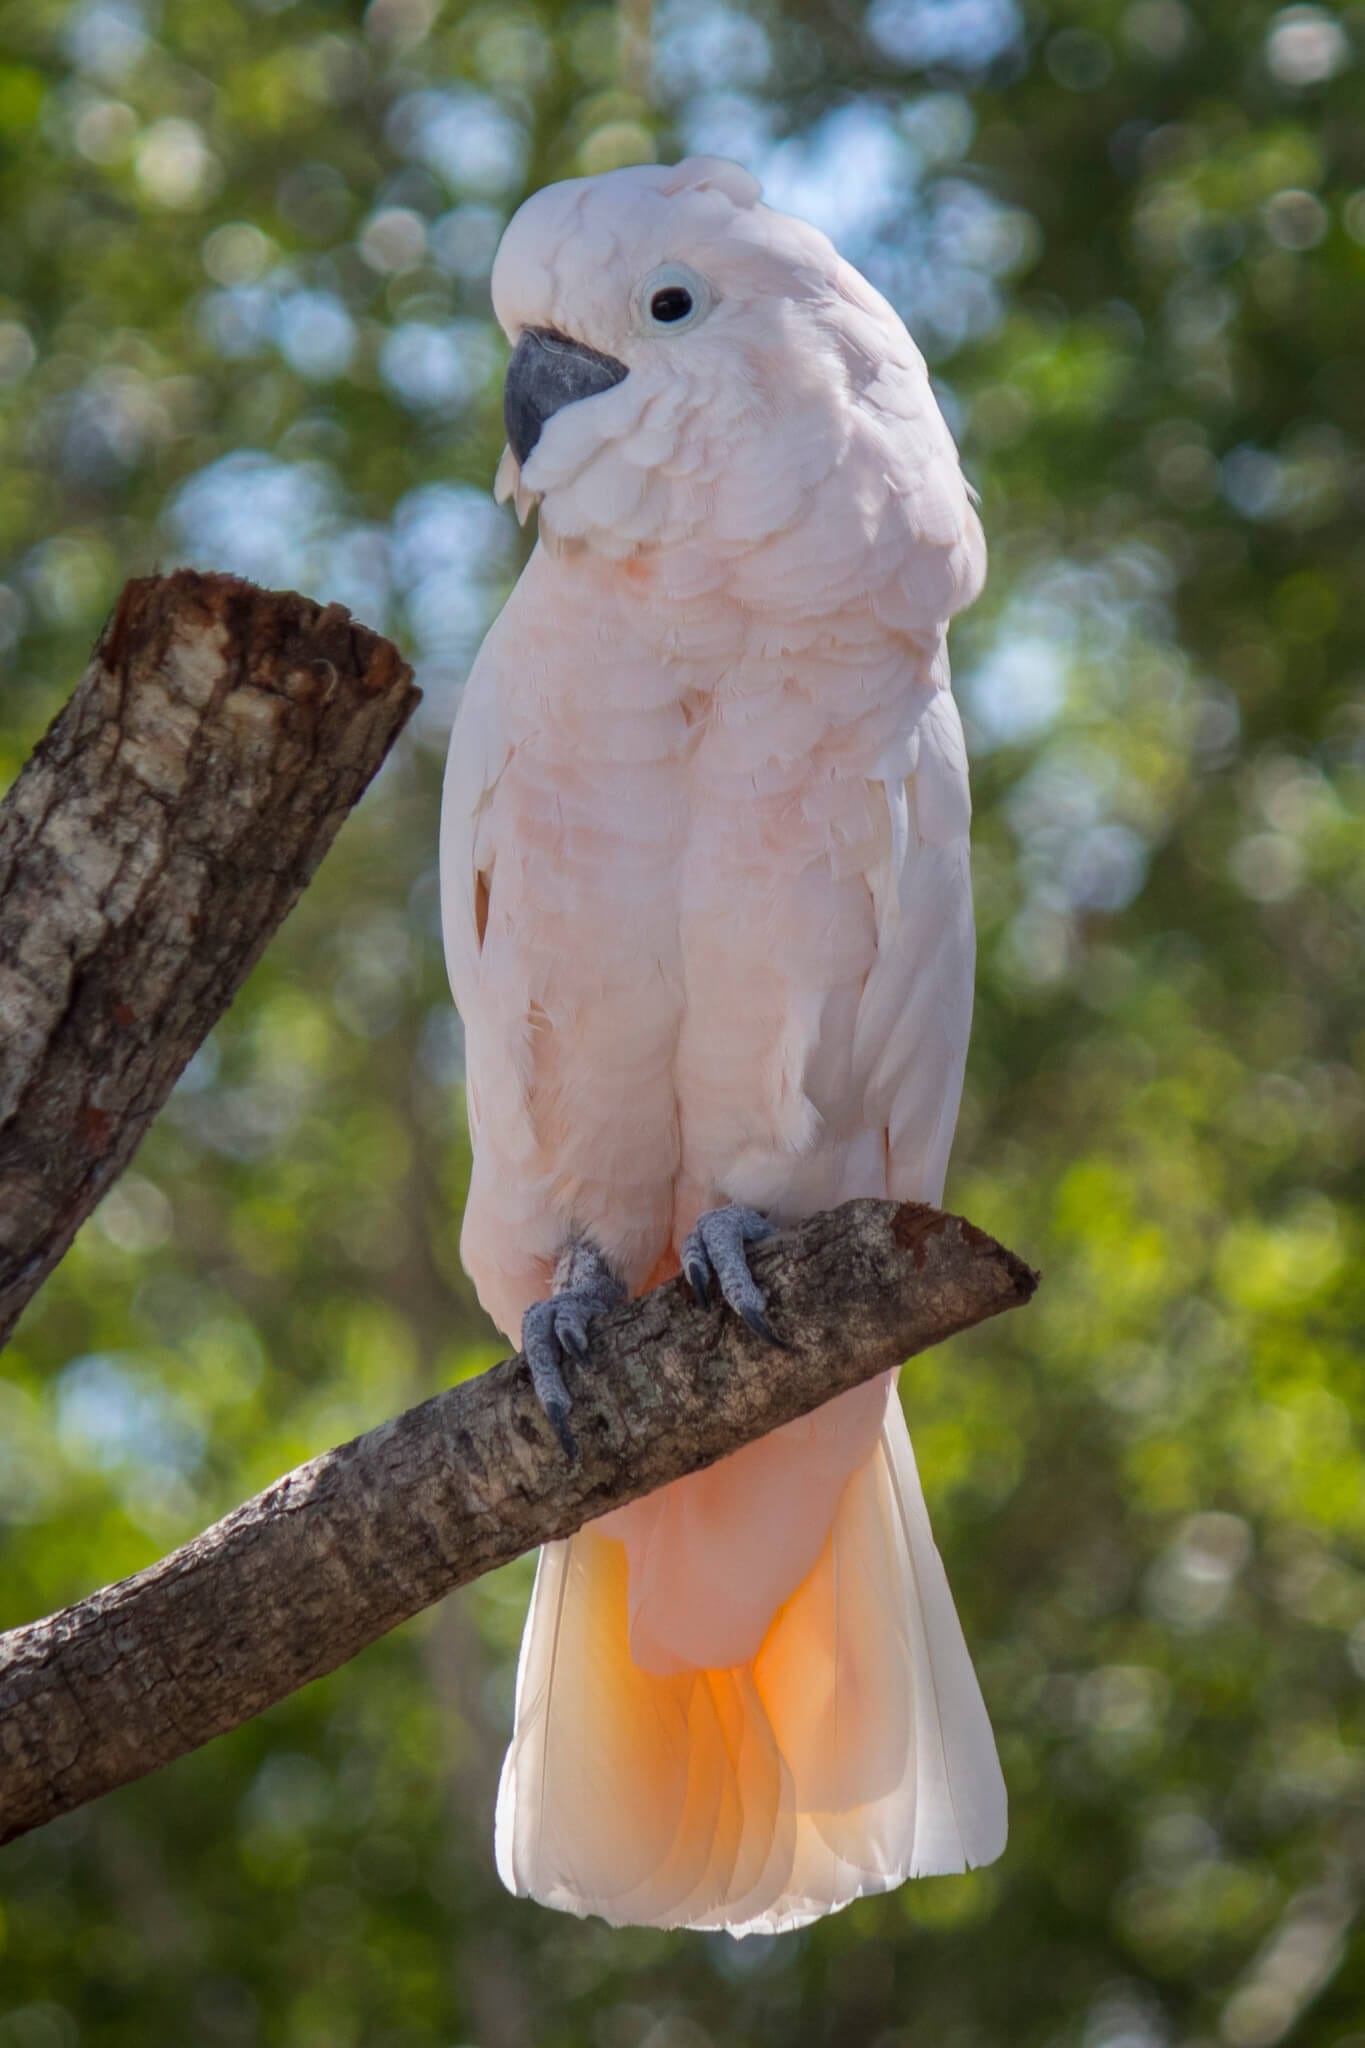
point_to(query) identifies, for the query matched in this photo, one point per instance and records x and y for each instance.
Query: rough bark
(161, 831)
(295, 1582)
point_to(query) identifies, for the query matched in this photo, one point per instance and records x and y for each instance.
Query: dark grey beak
(548, 371)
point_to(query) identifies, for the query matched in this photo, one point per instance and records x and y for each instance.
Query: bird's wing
(915, 1014)
(480, 750)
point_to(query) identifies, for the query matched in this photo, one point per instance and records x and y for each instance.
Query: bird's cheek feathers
(606, 467)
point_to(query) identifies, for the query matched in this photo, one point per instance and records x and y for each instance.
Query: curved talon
(714, 1251)
(557, 1414)
(540, 1344)
(761, 1327)
(697, 1271)
(573, 1335)
(555, 1330)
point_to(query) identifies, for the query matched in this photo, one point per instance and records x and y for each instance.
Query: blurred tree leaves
(244, 320)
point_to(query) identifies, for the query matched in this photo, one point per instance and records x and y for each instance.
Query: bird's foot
(554, 1330)
(713, 1255)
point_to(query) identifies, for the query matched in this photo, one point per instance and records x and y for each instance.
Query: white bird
(708, 920)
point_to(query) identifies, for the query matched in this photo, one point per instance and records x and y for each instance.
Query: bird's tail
(851, 1752)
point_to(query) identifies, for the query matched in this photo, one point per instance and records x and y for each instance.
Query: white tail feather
(853, 1751)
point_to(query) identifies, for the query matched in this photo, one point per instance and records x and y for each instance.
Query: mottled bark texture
(164, 827)
(295, 1582)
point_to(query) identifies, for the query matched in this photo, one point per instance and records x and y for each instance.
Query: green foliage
(244, 319)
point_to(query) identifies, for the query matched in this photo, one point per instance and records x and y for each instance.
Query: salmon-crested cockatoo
(708, 919)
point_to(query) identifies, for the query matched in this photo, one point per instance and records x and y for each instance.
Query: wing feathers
(914, 1018)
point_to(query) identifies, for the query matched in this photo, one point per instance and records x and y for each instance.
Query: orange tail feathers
(851, 1752)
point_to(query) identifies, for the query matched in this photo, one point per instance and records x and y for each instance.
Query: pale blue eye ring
(672, 299)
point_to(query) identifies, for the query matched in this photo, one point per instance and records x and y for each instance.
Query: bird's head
(666, 326)
(699, 376)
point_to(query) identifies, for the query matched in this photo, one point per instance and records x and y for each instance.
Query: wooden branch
(162, 830)
(295, 1582)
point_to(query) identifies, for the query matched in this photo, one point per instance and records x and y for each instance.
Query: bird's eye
(672, 299)
(674, 302)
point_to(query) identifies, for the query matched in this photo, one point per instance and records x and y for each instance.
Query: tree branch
(296, 1581)
(162, 830)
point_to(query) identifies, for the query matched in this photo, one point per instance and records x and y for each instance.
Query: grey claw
(540, 1345)
(761, 1327)
(553, 1397)
(698, 1275)
(557, 1413)
(714, 1254)
(555, 1330)
(573, 1335)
